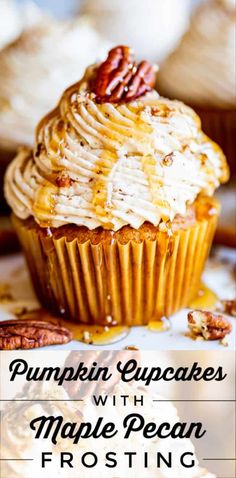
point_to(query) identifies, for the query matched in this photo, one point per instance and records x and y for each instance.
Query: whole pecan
(119, 78)
(228, 307)
(31, 334)
(208, 325)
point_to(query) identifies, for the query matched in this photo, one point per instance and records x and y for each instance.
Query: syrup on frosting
(127, 163)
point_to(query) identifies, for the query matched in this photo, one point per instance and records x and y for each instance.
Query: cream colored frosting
(127, 163)
(147, 26)
(14, 18)
(10, 24)
(202, 69)
(17, 438)
(36, 68)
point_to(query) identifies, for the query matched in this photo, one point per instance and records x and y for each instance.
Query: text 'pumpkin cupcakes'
(113, 207)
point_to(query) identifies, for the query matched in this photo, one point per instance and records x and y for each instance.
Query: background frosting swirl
(202, 69)
(128, 163)
(47, 57)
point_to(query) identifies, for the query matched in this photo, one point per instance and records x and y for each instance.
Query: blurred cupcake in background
(10, 22)
(34, 69)
(151, 27)
(201, 72)
(14, 18)
(113, 206)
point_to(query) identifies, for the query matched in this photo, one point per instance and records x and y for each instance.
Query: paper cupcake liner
(131, 283)
(220, 125)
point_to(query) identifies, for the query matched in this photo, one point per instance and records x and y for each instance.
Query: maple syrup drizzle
(100, 335)
(162, 325)
(44, 203)
(103, 168)
(89, 334)
(206, 299)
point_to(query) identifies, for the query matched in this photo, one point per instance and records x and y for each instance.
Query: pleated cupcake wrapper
(131, 283)
(220, 125)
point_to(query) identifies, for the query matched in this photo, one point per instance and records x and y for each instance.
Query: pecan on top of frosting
(119, 78)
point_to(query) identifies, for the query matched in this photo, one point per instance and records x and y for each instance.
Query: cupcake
(161, 33)
(201, 72)
(34, 70)
(114, 207)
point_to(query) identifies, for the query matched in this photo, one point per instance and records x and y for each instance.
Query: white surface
(218, 276)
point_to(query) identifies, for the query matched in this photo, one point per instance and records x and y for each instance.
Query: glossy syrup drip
(44, 203)
(155, 183)
(162, 325)
(45, 197)
(206, 299)
(103, 167)
(97, 334)
(89, 334)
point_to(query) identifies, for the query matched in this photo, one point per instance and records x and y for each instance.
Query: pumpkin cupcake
(114, 205)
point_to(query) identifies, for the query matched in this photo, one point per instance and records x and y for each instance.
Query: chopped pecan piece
(168, 159)
(119, 78)
(30, 334)
(40, 148)
(228, 307)
(64, 181)
(208, 325)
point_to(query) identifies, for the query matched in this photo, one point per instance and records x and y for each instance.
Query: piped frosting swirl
(201, 71)
(105, 164)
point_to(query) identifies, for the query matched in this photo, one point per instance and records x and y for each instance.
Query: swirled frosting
(113, 164)
(36, 68)
(202, 69)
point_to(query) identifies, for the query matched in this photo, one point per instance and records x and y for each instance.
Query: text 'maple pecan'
(31, 334)
(208, 325)
(120, 79)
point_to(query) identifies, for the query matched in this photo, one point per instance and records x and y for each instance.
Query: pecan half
(119, 78)
(228, 307)
(208, 325)
(31, 334)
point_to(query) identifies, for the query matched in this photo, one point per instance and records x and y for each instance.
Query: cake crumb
(227, 307)
(131, 347)
(87, 338)
(224, 342)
